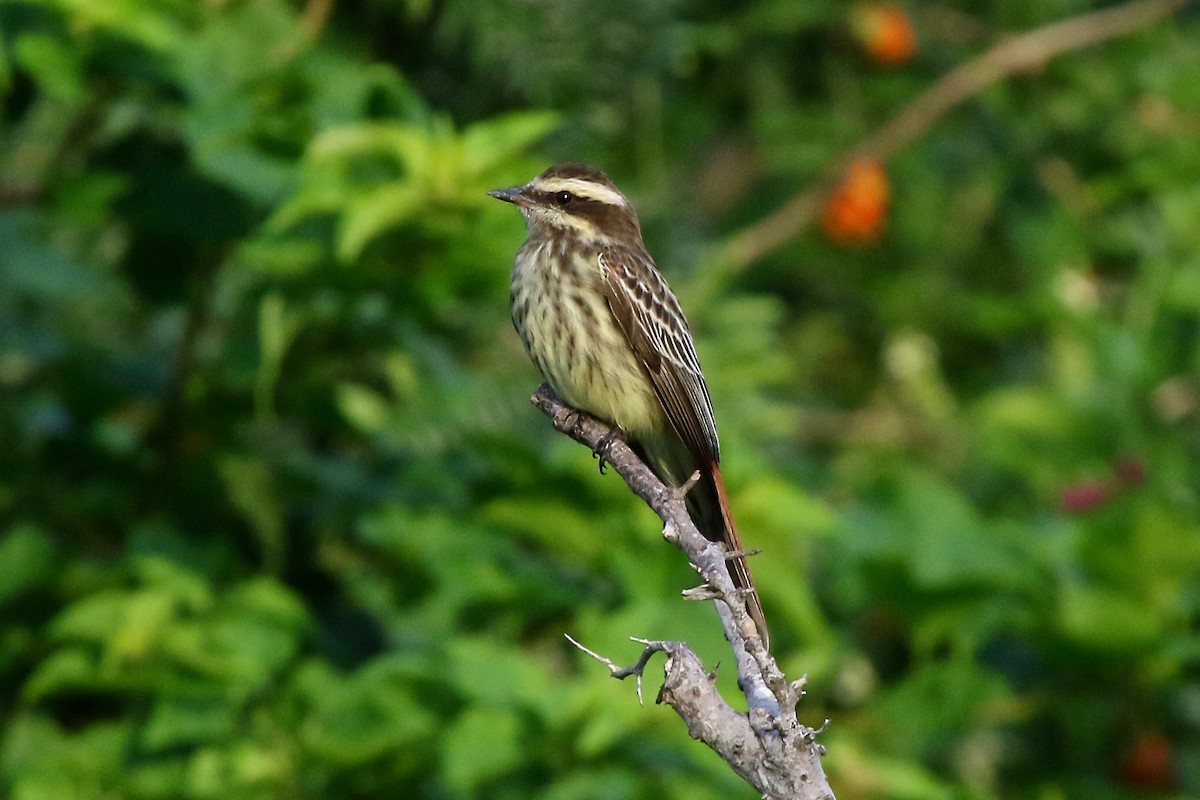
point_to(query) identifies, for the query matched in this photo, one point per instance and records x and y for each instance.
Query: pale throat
(546, 223)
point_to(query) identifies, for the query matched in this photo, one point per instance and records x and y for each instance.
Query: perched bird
(608, 335)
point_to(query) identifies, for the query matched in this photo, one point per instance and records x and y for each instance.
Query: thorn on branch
(734, 555)
(701, 592)
(810, 735)
(680, 492)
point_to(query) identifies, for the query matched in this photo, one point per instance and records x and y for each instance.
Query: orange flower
(1148, 763)
(885, 32)
(857, 209)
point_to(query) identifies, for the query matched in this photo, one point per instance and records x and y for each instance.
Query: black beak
(513, 194)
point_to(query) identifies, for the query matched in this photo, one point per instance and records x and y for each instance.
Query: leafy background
(278, 521)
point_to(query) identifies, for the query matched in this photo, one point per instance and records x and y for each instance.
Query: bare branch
(767, 746)
(636, 669)
(1016, 54)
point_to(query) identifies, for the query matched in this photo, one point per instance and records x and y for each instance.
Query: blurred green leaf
(55, 65)
(1107, 620)
(366, 716)
(480, 745)
(27, 560)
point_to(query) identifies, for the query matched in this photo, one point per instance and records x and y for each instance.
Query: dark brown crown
(576, 170)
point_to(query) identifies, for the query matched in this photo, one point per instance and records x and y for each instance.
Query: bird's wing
(650, 317)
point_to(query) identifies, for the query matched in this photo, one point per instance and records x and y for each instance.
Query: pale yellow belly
(574, 340)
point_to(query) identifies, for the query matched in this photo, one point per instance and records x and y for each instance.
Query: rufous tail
(708, 506)
(739, 569)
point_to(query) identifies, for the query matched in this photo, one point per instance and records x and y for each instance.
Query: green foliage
(277, 522)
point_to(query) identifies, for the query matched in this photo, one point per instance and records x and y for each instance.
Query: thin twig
(636, 669)
(1017, 54)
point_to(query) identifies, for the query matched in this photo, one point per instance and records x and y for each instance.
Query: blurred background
(278, 520)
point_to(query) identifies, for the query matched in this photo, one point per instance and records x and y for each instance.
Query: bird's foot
(604, 447)
(567, 419)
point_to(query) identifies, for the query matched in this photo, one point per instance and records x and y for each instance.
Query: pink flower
(1085, 496)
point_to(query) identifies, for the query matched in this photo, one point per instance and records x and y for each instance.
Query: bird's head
(574, 199)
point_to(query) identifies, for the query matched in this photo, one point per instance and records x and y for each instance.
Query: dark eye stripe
(577, 202)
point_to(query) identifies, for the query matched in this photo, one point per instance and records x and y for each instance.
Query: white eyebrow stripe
(589, 190)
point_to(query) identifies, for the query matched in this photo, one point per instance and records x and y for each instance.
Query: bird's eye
(563, 198)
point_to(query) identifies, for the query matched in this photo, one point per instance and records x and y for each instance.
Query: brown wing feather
(652, 321)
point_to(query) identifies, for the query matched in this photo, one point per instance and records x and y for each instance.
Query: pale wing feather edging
(652, 321)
